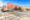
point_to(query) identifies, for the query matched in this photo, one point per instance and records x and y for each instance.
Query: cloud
(1, 3)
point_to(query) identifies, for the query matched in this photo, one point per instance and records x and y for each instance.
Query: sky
(17, 2)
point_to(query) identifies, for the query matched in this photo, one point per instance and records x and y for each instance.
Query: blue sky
(18, 2)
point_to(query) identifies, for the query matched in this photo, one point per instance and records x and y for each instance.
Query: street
(16, 15)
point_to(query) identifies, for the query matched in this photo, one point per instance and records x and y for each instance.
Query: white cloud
(1, 3)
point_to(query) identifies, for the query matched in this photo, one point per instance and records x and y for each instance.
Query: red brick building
(10, 6)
